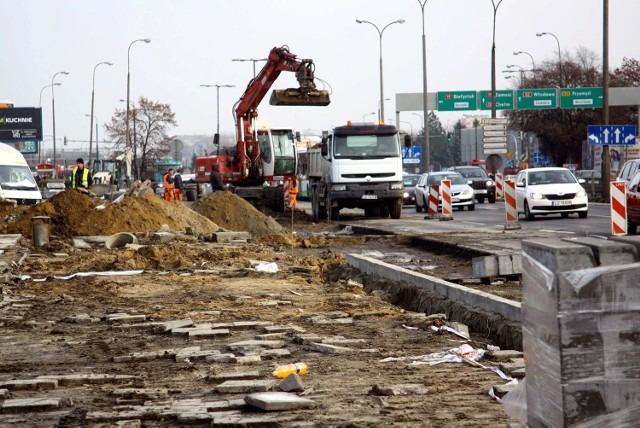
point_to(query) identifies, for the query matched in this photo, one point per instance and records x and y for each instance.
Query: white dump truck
(357, 166)
(16, 179)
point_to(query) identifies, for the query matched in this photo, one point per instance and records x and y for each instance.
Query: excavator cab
(306, 95)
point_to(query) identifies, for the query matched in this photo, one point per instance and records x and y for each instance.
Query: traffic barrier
(432, 206)
(286, 193)
(499, 185)
(447, 209)
(293, 192)
(618, 208)
(510, 205)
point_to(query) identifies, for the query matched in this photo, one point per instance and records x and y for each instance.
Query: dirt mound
(74, 214)
(234, 213)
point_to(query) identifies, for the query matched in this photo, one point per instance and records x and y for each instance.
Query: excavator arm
(246, 109)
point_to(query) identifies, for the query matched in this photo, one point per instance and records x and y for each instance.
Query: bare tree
(149, 123)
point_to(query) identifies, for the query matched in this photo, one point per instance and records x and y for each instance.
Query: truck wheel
(396, 209)
(368, 212)
(332, 212)
(315, 204)
(385, 211)
(279, 200)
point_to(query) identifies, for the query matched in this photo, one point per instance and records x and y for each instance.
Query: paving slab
(30, 384)
(246, 359)
(89, 379)
(292, 383)
(199, 333)
(271, 354)
(329, 349)
(282, 329)
(221, 377)
(29, 404)
(245, 386)
(221, 358)
(149, 393)
(278, 401)
(256, 344)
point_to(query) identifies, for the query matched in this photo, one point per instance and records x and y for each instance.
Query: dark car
(633, 204)
(410, 181)
(483, 186)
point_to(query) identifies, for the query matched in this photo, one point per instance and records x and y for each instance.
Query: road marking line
(557, 231)
(473, 222)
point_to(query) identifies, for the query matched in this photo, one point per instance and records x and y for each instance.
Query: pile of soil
(74, 214)
(234, 213)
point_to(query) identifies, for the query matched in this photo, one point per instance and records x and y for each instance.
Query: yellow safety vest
(85, 177)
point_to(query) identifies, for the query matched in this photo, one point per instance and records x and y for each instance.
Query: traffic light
(449, 136)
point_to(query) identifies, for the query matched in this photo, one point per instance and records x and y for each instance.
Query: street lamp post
(380, 32)
(367, 114)
(493, 61)
(252, 60)
(48, 86)
(128, 138)
(53, 112)
(93, 87)
(403, 121)
(216, 138)
(533, 65)
(426, 148)
(559, 54)
(97, 157)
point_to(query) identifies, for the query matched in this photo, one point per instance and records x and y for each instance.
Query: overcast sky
(194, 41)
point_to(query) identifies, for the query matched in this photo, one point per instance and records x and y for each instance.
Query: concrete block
(3, 392)
(305, 339)
(485, 266)
(246, 359)
(502, 389)
(270, 336)
(245, 386)
(221, 377)
(89, 379)
(504, 355)
(282, 329)
(631, 240)
(344, 342)
(608, 252)
(329, 349)
(170, 325)
(278, 401)
(256, 344)
(29, 404)
(147, 393)
(124, 318)
(401, 389)
(199, 333)
(292, 383)
(321, 320)
(30, 384)
(215, 406)
(245, 421)
(79, 319)
(221, 358)
(227, 237)
(559, 256)
(194, 355)
(505, 265)
(272, 354)
(251, 324)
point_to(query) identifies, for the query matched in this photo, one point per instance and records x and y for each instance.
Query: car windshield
(16, 177)
(410, 180)
(473, 173)
(366, 146)
(551, 177)
(436, 179)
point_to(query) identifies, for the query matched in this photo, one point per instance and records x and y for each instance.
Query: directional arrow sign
(611, 134)
(504, 100)
(495, 139)
(495, 145)
(495, 133)
(457, 100)
(537, 99)
(495, 151)
(581, 97)
(494, 121)
(495, 128)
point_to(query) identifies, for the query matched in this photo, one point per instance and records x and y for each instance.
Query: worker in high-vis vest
(167, 181)
(81, 177)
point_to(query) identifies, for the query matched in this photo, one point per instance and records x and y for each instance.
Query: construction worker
(81, 177)
(167, 181)
(177, 184)
(216, 181)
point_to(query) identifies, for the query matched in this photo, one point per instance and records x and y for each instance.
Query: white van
(16, 180)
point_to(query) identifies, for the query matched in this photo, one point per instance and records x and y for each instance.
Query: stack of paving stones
(240, 396)
(581, 331)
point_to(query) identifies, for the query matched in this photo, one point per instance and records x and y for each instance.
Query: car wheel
(481, 200)
(492, 199)
(471, 207)
(527, 212)
(426, 205)
(418, 207)
(564, 215)
(583, 214)
(632, 228)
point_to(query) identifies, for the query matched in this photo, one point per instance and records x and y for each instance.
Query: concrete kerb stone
(474, 298)
(608, 252)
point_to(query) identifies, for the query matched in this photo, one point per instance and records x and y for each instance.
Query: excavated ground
(61, 327)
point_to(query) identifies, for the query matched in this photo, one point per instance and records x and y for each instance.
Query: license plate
(455, 200)
(369, 196)
(560, 203)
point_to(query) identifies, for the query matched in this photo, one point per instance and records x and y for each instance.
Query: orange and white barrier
(445, 191)
(499, 185)
(510, 201)
(618, 208)
(432, 206)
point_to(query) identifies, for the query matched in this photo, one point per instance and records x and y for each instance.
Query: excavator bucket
(296, 97)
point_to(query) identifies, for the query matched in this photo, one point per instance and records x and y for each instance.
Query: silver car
(462, 195)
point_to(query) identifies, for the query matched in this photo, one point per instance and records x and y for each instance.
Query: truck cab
(357, 166)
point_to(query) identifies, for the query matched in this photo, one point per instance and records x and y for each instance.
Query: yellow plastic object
(284, 371)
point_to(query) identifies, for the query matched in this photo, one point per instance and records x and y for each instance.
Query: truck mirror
(216, 139)
(407, 140)
(324, 148)
(298, 137)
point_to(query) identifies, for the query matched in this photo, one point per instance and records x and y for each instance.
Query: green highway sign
(581, 97)
(537, 99)
(504, 100)
(457, 100)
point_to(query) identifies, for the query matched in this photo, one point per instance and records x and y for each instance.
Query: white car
(462, 195)
(542, 191)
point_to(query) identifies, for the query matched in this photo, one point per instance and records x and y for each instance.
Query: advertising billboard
(20, 124)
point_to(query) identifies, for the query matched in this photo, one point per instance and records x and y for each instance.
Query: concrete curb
(509, 309)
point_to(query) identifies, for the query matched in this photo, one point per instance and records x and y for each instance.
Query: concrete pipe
(119, 240)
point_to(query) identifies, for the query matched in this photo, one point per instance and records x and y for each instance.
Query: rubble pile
(74, 214)
(234, 213)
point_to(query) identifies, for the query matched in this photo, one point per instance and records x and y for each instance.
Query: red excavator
(265, 155)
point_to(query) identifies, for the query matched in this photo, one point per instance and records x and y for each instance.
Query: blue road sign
(539, 157)
(611, 134)
(413, 152)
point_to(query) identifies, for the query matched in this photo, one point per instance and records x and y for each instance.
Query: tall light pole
(53, 112)
(559, 54)
(606, 156)
(493, 60)
(367, 114)
(426, 149)
(533, 64)
(522, 70)
(380, 32)
(216, 138)
(403, 121)
(93, 87)
(48, 86)
(254, 60)
(97, 157)
(128, 138)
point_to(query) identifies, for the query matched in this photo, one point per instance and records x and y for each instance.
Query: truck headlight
(397, 186)
(339, 187)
